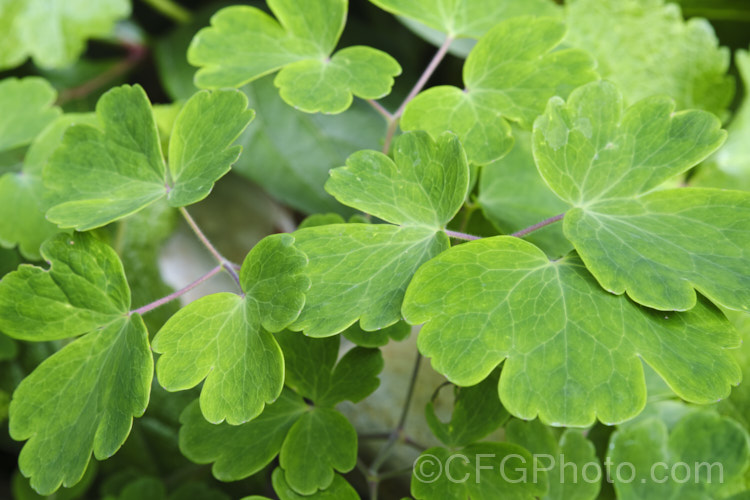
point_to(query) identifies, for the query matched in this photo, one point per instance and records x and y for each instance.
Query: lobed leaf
(606, 162)
(226, 340)
(572, 351)
(244, 43)
(508, 76)
(101, 174)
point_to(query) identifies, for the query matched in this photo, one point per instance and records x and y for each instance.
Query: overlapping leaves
(360, 271)
(655, 245)
(226, 339)
(54, 32)
(572, 352)
(102, 173)
(27, 111)
(313, 441)
(244, 43)
(509, 75)
(81, 399)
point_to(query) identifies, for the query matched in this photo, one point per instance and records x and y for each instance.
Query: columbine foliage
(610, 273)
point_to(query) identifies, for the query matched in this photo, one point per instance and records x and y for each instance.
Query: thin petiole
(380, 109)
(174, 295)
(538, 225)
(224, 263)
(462, 236)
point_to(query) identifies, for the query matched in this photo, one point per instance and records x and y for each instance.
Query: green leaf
(729, 167)
(572, 351)
(226, 340)
(326, 435)
(101, 174)
(424, 184)
(338, 490)
(242, 450)
(398, 332)
(244, 43)
(574, 470)
(514, 196)
(311, 373)
(22, 220)
(303, 148)
(53, 32)
(605, 161)
(81, 400)
(646, 48)
(482, 471)
(27, 106)
(465, 18)
(84, 289)
(713, 451)
(199, 152)
(476, 413)
(360, 271)
(509, 75)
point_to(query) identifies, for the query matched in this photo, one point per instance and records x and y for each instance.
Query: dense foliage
(551, 204)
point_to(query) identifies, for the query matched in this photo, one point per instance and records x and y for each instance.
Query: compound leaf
(81, 400)
(646, 48)
(360, 271)
(476, 413)
(605, 162)
(697, 457)
(239, 451)
(54, 32)
(571, 349)
(101, 174)
(481, 471)
(27, 106)
(509, 75)
(244, 43)
(465, 18)
(326, 435)
(573, 468)
(84, 288)
(338, 490)
(226, 340)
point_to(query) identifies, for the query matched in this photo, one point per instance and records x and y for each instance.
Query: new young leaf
(656, 245)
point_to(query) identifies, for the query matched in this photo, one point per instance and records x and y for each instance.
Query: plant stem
(538, 225)
(225, 264)
(462, 236)
(397, 433)
(171, 9)
(136, 53)
(380, 109)
(429, 70)
(172, 296)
